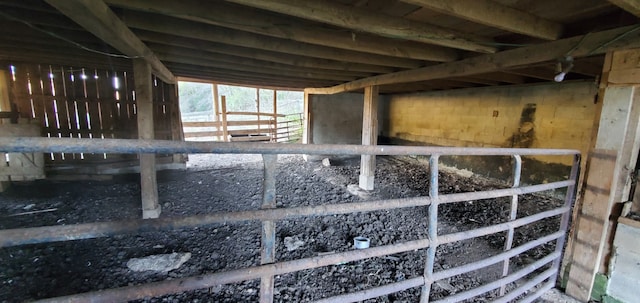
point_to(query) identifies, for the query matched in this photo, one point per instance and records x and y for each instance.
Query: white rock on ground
(355, 190)
(292, 243)
(326, 162)
(161, 263)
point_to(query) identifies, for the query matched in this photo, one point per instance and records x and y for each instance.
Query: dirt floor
(221, 183)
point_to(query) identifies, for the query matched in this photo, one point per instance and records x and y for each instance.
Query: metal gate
(269, 215)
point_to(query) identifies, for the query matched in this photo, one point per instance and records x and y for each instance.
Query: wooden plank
(253, 114)
(263, 55)
(100, 20)
(494, 14)
(251, 139)
(369, 136)
(254, 21)
(5, 84)
(247, 131)
(591, 44)
(198, 134)
(592, 220)
(631, 6)
(225, 131)
(148, 181)
(194, 30)
(373, 22)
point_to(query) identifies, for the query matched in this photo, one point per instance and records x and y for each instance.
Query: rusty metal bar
(517, 171)
(375, 292)
(495, 259)
(433, 228)
(483, 231)
(528, 286)
(496, 284)
(161, 288)
(568, 201)
(33, 235)
(545, 287)
(268, 250)
(127, 146)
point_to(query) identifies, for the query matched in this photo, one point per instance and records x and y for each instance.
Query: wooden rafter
(96, 17)
(195, 30)
(373, 22)
(270, 56)
(494, 14)
(227, 15)
(580, 46)
(631, 6)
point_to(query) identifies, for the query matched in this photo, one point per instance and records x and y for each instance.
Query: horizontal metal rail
(526, 286)
(127, 146)
(375, 292)
(250, 273)
(33, 235)
(209, 280)
(506, 280)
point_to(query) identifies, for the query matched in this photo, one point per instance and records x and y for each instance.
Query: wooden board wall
(79, 102)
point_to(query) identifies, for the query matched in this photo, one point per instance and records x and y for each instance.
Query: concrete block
(151, 213)
(366, 182)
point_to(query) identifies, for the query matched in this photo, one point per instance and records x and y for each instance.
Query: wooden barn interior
(541, 74)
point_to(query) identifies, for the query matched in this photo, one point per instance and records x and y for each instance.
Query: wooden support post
(216, 108)
(307, 131)
(268, 251)
(369, 136)
(177, 131)
(225, 130)
(5, 103)
(258, 106)
(609, 175)
(144, 102)
(275, 115)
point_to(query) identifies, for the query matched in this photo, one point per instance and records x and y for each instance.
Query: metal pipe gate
(268, 214)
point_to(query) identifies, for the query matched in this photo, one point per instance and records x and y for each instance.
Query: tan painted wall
(563, 117)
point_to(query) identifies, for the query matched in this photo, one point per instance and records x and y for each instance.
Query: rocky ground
(228, 183)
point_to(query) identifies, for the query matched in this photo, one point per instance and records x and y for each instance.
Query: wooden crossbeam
(195, 30)
(227, 15)
(631, 6)
(373, 22)
(580, 46)
(494, 14)
(96, 17)
(270, 56)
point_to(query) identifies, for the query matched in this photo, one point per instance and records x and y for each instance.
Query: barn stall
(527, 87)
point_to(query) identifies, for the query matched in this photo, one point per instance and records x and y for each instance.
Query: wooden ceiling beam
(204, 62)
(229, 16)
(491, 13)
(631, 6)
(175, 52)
(579, 46)
(373, 22)
(502, 77)
(201, 31)
(269, 56)
(96, 17)
(209, 81)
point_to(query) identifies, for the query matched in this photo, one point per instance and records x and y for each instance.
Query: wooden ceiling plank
(579, 46)
(227, 15)
(251, 69)
(373, 22)
(97, 18)
(175, 53)
(293, 60)
(631, 6)
(491, 13)
(195, 30)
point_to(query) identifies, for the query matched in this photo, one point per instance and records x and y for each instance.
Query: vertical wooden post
(307, 131)
(216, 108)
(268, 250)
(5, 103)
(275, 115)
(609, 176)
(177, 131)
(144, 102)
(369, 136)
(225, 131)
(258, 106)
